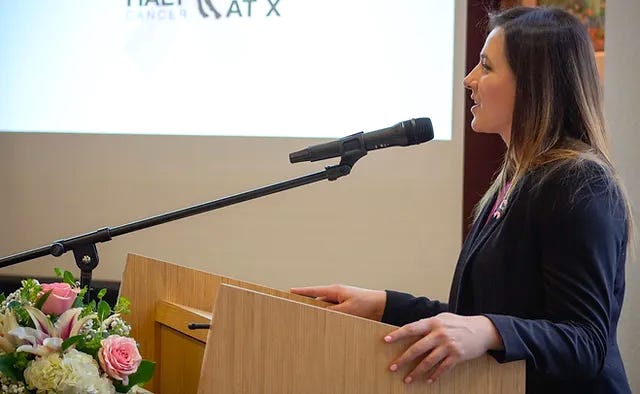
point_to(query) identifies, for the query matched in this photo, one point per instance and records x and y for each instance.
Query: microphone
(409, 132)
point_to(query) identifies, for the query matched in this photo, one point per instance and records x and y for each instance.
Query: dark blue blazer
(549, 273)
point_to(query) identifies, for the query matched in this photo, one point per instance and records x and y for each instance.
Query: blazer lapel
(467, 247)
(480, 233)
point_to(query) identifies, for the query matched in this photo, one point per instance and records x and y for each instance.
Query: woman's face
(493, 88)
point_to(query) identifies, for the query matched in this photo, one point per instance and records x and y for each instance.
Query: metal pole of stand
(84, 246)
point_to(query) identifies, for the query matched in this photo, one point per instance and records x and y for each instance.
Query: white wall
(395, 222)
(622, 101)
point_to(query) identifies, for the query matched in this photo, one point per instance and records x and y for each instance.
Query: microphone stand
(84, 246)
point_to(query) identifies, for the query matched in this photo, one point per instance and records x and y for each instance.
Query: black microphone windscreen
(419, 131)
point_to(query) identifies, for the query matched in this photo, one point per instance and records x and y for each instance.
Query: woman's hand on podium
(443, 341)
(348, 299)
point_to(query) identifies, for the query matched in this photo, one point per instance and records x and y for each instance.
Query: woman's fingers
(324, 293)
(311, 291)
(344, 307)
(419, 327)
(352, 300)
(443, 368)
(448, 339)
(427, 364)
(417, 350)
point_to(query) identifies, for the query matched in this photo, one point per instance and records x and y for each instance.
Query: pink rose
(119, 357)
(60, 299)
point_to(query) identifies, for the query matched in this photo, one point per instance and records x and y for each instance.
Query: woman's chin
(476, 127)
(480, 130)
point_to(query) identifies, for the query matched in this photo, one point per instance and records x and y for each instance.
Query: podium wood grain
(265, 344)
(164, 299)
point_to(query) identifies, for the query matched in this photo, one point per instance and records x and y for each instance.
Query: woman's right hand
(352, 300)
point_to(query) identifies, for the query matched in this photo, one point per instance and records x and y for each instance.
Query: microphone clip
(352, 148)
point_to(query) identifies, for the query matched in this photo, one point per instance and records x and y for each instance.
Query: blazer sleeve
(579, 222)
(402, 308)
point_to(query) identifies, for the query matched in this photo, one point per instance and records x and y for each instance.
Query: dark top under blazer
(549, 273)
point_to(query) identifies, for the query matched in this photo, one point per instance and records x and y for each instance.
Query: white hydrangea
(74, 373)
(44, 373)
(85, 375)
(104, 385)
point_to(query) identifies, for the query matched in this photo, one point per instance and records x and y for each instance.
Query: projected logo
(211, 8)
(179, 9)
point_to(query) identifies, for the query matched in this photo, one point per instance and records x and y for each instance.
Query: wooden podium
(264, 340)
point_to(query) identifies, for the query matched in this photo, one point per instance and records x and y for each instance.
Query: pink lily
(38, 343)
(47, 337)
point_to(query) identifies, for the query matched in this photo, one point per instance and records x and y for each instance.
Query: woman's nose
(469, 82)
(470, 79)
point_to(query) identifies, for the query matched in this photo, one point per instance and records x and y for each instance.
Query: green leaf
(104, 310)
(90, 347)
(142, 376)
(29, 290)
(101, 294)
(88, 309)
(8, 368)
(21, 361)
(68, 278)
(78, 302)
(122, 306)
(22, 316)
(58, 272)
(70, 342)
(2, 297)
(42, 300)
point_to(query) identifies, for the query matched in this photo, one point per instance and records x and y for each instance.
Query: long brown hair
(557, 118)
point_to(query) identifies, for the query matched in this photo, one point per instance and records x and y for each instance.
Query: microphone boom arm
(84, 246)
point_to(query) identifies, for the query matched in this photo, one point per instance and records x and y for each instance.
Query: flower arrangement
(52, 342)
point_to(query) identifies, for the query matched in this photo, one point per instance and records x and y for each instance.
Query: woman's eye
(485, 67)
